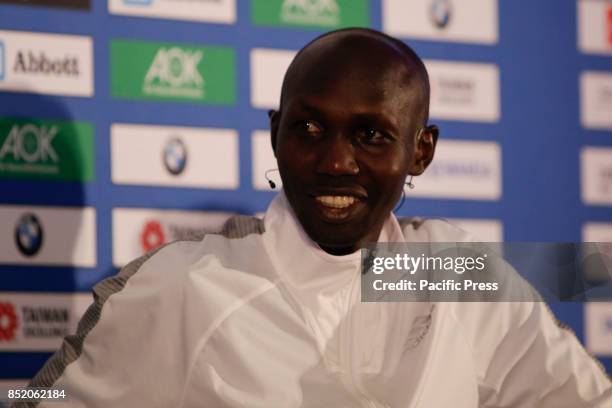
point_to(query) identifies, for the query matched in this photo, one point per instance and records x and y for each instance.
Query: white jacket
(259, 316)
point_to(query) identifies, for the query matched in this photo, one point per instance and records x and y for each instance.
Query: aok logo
(321, 12)
(174, 72)
(30, 143)
(39, 63)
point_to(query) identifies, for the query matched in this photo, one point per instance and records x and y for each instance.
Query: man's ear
(274, 122)
(425, 146)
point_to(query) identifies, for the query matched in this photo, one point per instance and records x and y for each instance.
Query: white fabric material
(271, 320)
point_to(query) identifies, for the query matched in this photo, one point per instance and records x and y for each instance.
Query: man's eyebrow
(309, 107)
(361, 115)
(381, 120)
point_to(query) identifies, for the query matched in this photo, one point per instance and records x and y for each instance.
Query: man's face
(345, 143)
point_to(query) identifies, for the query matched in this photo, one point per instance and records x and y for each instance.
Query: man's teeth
(336, 201)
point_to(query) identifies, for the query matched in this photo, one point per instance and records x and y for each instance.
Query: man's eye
(311, 127)
(372, 136)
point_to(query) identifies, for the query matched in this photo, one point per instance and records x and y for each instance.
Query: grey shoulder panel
(72, 345)
(240, 226)
(71, 348)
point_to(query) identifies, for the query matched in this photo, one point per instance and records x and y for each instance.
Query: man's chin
(336, 244)
(339, 249)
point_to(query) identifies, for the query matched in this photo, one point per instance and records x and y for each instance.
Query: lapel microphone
(270, 182)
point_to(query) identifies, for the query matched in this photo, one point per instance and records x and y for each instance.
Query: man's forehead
(355, 65)
(350, 59)
(359, 82)
(360, 51)
(353, 41)
(361, 89)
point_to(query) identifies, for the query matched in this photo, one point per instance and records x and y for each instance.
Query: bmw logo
(175, 156)
(440, 12)
(29, 234)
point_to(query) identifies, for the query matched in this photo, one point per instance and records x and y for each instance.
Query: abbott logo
(46, 63)
(1, 60)
(32, 63)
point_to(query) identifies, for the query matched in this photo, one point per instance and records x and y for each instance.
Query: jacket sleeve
(525, 358)
(109, 360)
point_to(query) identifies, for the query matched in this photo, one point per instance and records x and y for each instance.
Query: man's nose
(337, 158)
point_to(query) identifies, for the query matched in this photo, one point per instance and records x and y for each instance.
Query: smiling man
(350, 129)
(268, 313)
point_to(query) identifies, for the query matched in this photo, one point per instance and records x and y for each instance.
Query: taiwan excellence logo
(29, 235)
(2, 60)
(441, 12)
(152, 236)
(8, 321)
(175, 156)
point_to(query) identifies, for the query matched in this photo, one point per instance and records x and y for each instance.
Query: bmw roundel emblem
(29, 234)
(440, 12)
(175, 156)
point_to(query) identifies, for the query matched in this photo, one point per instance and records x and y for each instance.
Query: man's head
(350, 129)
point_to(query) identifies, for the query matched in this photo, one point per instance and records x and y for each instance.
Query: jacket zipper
(354, 386)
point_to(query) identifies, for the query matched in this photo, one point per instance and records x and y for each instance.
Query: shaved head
(365, 52)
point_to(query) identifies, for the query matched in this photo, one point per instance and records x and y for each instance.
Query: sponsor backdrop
(125, 124)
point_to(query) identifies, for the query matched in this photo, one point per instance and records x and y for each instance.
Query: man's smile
(336, 201)
(338, 206)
